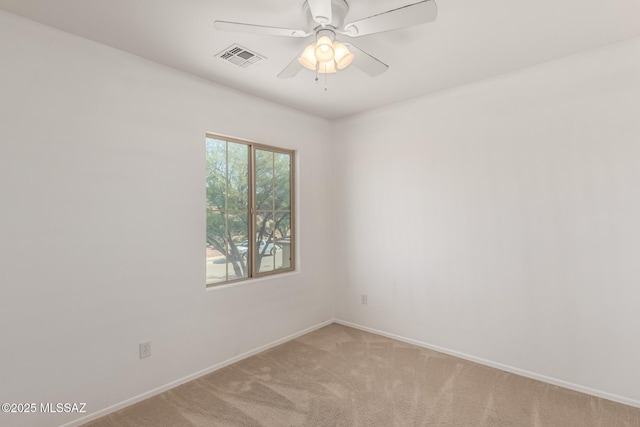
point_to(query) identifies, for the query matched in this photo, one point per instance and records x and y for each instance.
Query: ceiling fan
(325, 20)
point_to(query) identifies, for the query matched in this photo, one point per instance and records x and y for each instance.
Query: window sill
(252, 280)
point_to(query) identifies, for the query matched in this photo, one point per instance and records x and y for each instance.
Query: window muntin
(249, 193)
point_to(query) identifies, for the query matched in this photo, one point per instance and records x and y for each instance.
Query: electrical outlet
(145, 349)
(363, 299)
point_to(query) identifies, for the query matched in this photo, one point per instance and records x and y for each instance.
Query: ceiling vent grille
(240, 56)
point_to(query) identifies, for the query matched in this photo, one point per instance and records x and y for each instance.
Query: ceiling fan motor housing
(339, 9)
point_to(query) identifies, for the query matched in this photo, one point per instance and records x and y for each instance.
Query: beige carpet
(339, 376)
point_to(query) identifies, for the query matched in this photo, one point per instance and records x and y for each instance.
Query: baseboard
(158, 390)
(503, 367)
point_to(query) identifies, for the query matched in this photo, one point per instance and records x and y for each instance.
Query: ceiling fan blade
(406, 16)
(290, 70)
(367, 63)
(321, 11)
(259, 29)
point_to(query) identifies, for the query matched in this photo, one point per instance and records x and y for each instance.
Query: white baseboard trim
(507, 368)
(158, 390)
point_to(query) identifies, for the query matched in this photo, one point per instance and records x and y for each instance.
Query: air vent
(240, 56)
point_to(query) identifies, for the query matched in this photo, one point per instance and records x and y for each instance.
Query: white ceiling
(469, 41)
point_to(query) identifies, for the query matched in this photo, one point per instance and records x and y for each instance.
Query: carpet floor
(340, 376)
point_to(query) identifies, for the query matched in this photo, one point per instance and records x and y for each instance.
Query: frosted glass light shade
(343, 56)
(324, 49)
(327, 67)
(308, 59)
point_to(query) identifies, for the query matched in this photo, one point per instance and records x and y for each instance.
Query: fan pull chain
(325, 80)
(325, 76)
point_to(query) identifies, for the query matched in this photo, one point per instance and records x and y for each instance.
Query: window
(250, 216)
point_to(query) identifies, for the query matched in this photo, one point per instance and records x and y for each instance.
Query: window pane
(226, 246)
(264, 180)
(238, 177)
(237, 245)
(264, 227)
(282, 226)
(216, 247)
(216, 229)
(282, 179)
(265, 246)
(273, 240)
(216, 173)
(216, 267)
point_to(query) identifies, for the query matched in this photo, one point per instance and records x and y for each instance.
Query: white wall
(102, 224)
(501, 220)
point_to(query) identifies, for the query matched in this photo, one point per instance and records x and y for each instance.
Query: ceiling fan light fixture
(326, 57)
(308, 59)
(343, 56)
